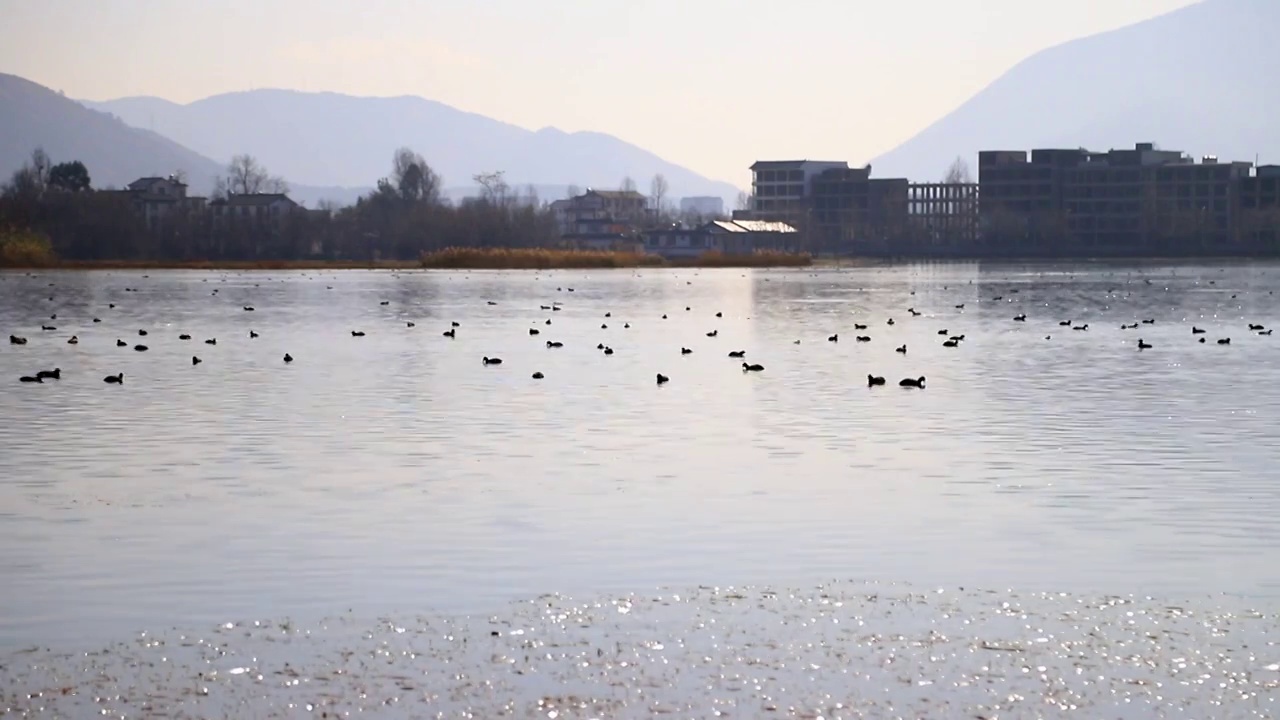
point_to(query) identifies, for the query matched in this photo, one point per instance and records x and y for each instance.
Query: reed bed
(464, 258)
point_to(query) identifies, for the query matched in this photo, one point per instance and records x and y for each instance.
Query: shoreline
(824, 263)
(844, 649)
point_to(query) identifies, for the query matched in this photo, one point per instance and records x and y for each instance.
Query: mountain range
(1196, 79)
(333, 139)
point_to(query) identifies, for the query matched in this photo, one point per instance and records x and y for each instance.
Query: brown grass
(468, 258)
(760, 258)
(545, 259)
(238, 265)
(25, 249)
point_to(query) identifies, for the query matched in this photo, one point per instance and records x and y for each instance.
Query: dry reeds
(758, 259)
(466, 258)
(237, 265)
(25, 248)
(471, 258)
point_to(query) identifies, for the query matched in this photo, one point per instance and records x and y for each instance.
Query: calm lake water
(395, 472)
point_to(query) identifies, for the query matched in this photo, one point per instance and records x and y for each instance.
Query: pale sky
(709, 84)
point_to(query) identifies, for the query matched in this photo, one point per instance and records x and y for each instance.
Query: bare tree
(628, 185)
(958, 172)
(40, 165)
(658, 191)
(494, 187)
(414, 178)
(530, 197)
(744, 201)
(572, 191)
(246, 176)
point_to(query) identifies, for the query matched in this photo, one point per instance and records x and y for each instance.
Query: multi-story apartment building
(782, 189)
(852, 212)
(942, 217)
(1259, 217)
(1139, 199)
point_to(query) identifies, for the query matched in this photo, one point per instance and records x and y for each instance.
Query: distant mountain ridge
(116, 154)
(1196, 79)
(334, 139)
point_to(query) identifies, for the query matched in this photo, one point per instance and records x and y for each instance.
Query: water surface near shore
(393, 471)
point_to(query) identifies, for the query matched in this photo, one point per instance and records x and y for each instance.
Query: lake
(396, 472)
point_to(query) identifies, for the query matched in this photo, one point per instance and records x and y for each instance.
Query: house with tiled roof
(601, 217)
(158, 200)
(268, 208)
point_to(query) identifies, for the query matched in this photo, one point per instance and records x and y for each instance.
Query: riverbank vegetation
(56, 217)
(461, 258)
(25, 248)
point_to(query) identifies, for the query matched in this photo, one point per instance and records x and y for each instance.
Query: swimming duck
(554, 344)
(252, 334)
(856, 326)
(141, 348)
(1264, 332)
(1020, 318)
(248, 308)
(48, 328)
(142, 333)
(184, 337)
(752, 367)
(357, 333)
(950, 344)
(912, 382)
(663, 378)
(121, 343)
(449, 333)
(902, 350)
(1256, 327)
(1144, 345)
(737, 353)
(288, 358)
(1224, 341)
(15, 340)
(195, 360)
(944, 332)
(608, 351)
(834, 338)
(872, 380)
(492, 361)
(54, 374)
(713, 333)
(73, 340)
(863, 338)
(1196, 331)
(534, 331)
(537, 376)
(117, 379)
(211, 341)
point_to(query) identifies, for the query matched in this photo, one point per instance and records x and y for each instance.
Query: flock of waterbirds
(950, 341)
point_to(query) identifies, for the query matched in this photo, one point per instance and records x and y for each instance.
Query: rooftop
(794, 164)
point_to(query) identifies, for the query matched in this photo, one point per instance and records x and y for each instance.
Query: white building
(780, 189)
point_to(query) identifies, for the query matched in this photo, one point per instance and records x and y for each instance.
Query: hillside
(333, 139)
(1197, 79)
(32, 115)
(116, 154)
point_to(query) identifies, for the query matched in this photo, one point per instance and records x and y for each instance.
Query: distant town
(1139, 201)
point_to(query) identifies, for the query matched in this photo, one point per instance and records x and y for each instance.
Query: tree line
(403, 217)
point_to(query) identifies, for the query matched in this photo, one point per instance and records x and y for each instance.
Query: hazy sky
(710, 84)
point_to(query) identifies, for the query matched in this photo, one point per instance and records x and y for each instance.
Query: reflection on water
(394, 471)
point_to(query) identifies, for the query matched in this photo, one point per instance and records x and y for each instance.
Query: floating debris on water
(845, 650)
